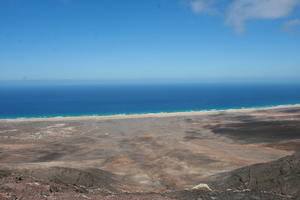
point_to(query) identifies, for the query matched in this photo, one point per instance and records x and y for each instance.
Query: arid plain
(153, 152)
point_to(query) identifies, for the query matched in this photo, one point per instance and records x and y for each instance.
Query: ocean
(54, 101)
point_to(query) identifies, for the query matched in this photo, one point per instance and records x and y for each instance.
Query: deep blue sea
(51, 101)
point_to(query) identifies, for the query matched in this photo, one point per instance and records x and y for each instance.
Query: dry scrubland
(155, 156)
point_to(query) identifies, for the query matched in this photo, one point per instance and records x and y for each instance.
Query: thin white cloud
(240, 11)
(203, 6)
(290, 25)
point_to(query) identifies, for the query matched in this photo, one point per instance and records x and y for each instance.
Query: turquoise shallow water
(53, 101)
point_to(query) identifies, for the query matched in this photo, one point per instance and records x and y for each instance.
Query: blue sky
(149, 39)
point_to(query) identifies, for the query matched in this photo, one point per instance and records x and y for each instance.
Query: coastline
(150, 115)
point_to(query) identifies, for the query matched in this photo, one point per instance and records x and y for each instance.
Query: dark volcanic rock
(281, 176)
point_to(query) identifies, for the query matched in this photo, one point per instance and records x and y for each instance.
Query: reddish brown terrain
(159, 156)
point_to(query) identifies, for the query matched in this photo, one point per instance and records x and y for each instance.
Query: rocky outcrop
(281, 177)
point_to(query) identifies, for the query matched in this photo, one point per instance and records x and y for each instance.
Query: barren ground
(153, 153)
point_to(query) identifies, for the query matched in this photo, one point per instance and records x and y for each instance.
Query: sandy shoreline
(147, 115)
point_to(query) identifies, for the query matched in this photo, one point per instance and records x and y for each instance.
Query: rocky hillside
(279, 179)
